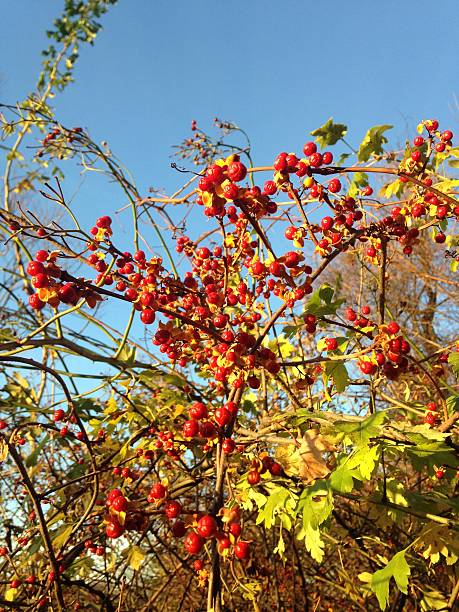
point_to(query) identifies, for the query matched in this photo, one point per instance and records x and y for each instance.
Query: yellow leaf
(111, 405)
(287, 455)
(179, 410)
(3, 450)
(135, 557)
(10, 594)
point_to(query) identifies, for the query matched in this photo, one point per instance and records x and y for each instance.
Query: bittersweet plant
(282, 433)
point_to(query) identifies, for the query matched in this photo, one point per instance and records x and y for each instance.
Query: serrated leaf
(373, 142)
(341, 479)
(399, 570)
(329, 133)
(360, 432)
(273, 506)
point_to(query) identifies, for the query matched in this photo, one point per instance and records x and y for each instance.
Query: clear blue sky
(278, 69)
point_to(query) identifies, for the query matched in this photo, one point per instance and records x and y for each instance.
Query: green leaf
(373, 142)
(61, 534)
(321, 302)
(127, 354)
(453, 360)
(273, 506)
(341, 479)
(359, 180)
(392, 189)
(452, 404)
(360, 432)
(399, 570)
(337, 370)
(329, 133)
(33, 457)
(316, 503)
(357, 465)
(314, 543)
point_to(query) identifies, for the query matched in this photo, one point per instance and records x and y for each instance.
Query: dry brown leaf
(312, 464)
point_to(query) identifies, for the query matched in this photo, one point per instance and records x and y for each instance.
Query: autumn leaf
(288, 456)
(312, 464)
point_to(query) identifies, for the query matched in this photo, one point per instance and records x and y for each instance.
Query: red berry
(41, 255)
(235, 529)
(198, 411)
(275, 468)
(207, 526)
(193, 543)
(104, 222)
(236, 172)
(157, 491)
(34, 268)
(270, 188)
(179, 529)
(447, 135)
(431, 418)
(228, 446)
(120, 504)
(315, 160)
(440, 238)
(334, 185)
(327, 157)
(309, 148)
(35, 302)
(147, 316)
(58, 415)
(230, 191)
(393, 327)
(242, 550)
(190, 429)
(114, 529)
(332, 344)
(432, 125)
(276, 268)
(222, 416)
(253, 477)
(173, 509)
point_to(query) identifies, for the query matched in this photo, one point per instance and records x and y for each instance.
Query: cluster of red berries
(208, 528)
(259, 467)
(65, 136)
(123, 516)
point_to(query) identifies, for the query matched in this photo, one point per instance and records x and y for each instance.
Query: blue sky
(278, 69)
